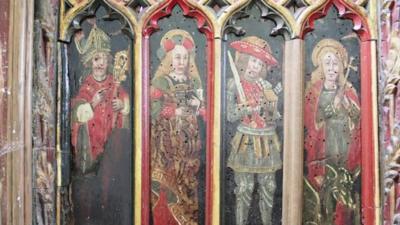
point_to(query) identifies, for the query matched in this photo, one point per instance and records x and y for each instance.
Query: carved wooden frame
(299, 22)
(368, 139)
(151, 25)
(69, 23)
(388, 112)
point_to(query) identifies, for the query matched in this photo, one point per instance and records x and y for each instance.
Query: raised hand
(98, 97)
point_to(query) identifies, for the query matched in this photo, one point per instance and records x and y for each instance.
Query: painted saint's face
(99, 66)
(180, 59)
(331, 66)
(254, 67)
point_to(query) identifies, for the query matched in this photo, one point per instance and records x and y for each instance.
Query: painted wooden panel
(100, 79)
(332, 184)
(187, 171)
(179, 143)
(252, 121)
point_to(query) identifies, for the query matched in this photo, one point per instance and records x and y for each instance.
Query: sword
(236, 77)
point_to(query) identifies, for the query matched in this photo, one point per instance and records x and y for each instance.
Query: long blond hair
(323, 47)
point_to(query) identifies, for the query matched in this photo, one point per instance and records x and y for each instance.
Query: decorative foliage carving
(391, 176)
(266, 13)
(45, 190)
(43, 112)
(166, 9)
(390, 68)
(218, 5)
(392, 163)
(297, 6)
(293, 18)
(298, 14)
(140, 7)
(281, 26)
(390, 115)
(72, 15)
(345, 11)
(231, 26)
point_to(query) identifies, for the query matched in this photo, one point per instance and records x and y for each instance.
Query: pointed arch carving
(283, 26)
(259, 22)
(346, 10)
(362, 27)
(76, 17)
(72, 13)
(293, 20)
(206, 25)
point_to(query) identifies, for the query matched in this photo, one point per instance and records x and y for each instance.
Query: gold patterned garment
(175, 150)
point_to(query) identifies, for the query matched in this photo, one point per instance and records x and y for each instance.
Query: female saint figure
(177, 104)
(332, 142)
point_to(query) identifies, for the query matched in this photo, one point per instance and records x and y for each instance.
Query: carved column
(44, 111)
(4, 146)
(293, 85)
(18, 133)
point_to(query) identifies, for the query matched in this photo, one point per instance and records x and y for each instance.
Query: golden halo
(329, 45)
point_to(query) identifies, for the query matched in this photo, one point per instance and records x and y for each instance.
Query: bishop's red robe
(100, 126)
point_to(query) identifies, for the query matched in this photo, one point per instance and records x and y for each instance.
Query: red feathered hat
(256, 47)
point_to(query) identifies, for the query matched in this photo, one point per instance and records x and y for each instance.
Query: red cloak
(101, 125)
(315, 139)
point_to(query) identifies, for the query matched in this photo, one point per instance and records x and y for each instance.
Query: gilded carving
(177, 112)
(392, 66)
(391, 143)
(43, 113)
(45, 190)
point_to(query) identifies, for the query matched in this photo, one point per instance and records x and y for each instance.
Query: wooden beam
(293, 88)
